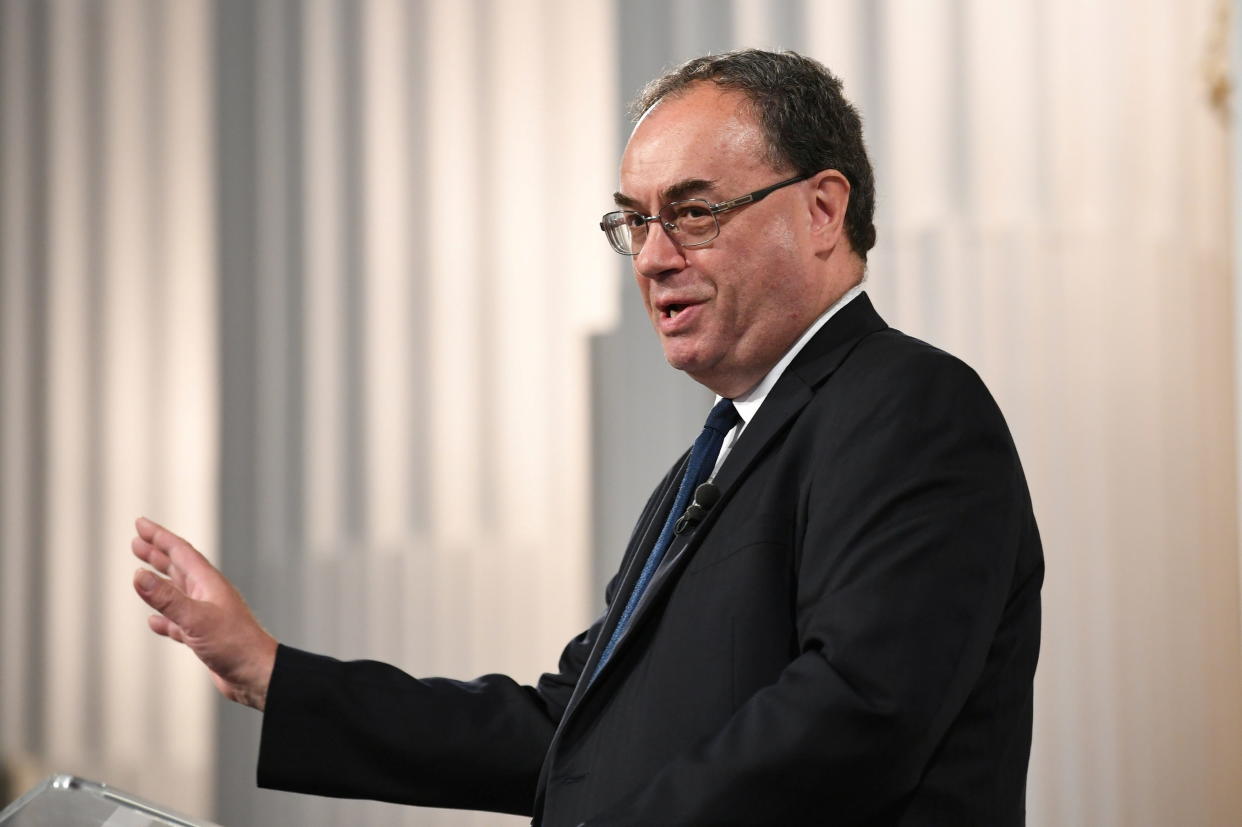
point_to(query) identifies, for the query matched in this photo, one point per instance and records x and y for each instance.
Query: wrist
(253, 691)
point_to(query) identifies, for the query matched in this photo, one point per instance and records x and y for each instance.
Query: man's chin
(693, 365)
(705, 366)
(681, 360)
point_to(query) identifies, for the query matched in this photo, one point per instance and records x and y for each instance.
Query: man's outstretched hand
(198, 607)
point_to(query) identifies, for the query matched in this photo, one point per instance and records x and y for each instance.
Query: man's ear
(830, 196)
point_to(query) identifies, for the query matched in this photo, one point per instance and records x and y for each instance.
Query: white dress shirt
(747, 404)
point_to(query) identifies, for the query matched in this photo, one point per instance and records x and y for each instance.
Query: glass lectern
(68, 801)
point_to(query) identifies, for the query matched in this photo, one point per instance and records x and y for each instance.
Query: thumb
(165, 598)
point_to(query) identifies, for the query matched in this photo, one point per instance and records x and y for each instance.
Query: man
(840, 627)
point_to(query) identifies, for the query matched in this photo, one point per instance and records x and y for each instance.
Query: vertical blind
(108, 381)
(409, 283)
(317, 283)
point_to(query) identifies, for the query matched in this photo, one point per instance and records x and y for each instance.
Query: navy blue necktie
(699, 467)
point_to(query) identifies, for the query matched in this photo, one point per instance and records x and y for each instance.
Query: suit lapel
(796, 387)
(641, 543)
(778, 410)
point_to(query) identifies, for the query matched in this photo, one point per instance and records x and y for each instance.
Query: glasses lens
(692, 220)
(626, 231)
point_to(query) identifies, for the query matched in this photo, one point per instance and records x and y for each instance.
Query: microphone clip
(705, 497)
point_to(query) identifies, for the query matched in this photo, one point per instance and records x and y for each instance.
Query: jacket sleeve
(363, 729)
(907, 554)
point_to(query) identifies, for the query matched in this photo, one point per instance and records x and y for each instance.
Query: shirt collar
(748, 403)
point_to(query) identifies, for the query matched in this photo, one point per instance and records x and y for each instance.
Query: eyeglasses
(691, 223)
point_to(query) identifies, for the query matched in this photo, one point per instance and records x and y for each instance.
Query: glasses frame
(714, 209)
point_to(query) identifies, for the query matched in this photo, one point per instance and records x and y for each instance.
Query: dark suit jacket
(849, 637)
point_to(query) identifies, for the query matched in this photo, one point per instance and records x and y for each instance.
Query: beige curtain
(353, 292)
(405, 362)
(108, 382)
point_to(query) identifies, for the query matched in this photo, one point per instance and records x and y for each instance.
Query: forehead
(705, 133)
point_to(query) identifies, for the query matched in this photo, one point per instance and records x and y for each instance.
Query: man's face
(727, 311)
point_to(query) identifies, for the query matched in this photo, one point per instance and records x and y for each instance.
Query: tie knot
(723, 417)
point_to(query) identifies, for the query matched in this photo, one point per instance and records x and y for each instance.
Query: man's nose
(659, 255)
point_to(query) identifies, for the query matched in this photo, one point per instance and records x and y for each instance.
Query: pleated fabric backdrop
(271, 270)
(407, 292)
(318, 283)
(108, 378)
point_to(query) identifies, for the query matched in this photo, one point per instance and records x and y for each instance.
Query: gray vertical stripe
(233, 57)
(9, 499)
(36, 393)
(257, 409)
(871, 100)
(235, 249)
(353, 285)
(699, 27)
(961, 195)
(153, 20)
(293, 522)
(271, 260)
(420, 293)
(960, 138)
(645, 31)
(96, 151)
(788, 26)
(9, 659)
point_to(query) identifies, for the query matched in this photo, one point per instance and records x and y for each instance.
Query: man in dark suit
(840, 626)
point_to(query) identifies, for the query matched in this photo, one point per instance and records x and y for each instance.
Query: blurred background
(319, 285)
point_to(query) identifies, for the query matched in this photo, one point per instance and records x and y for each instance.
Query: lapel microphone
(705, 496)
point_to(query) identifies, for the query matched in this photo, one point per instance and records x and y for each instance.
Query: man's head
(808, 123)
(727, 307)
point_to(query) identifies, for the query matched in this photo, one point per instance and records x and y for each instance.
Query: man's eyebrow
(624, 201)
(687, 188)
(676, 192)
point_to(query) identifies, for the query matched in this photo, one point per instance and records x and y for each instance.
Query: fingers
(165, 598)
(163, 626)
(161, 538)
(159, 561)
(156, 544)
(150, 555)
(147, 528)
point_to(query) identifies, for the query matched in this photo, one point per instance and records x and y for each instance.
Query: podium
(69, 801)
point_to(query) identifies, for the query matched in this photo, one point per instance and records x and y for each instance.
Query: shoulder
(895, 397)
(889, 368)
